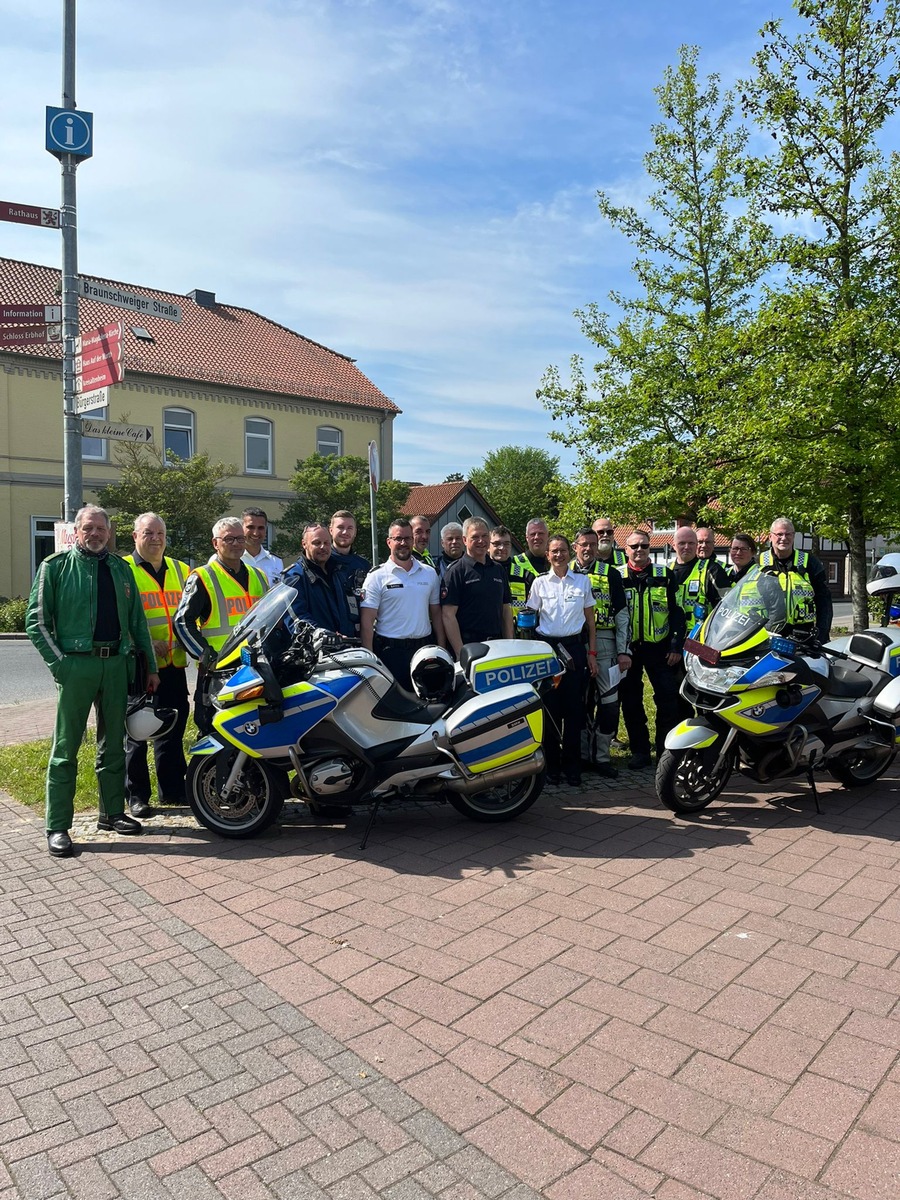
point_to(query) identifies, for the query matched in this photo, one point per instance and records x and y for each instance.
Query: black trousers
(565, 710)
(168, 751)
(397, 653)
(649, 657)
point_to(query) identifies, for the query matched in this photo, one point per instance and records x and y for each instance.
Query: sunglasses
(639, 546)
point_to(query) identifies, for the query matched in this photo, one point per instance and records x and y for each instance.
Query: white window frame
(259, 437)
(338, 439)
(35, 522)
(96, 414)
(167, 424)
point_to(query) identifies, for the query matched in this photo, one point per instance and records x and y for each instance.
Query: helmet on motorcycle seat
(144, 723)
(886, 577)
(432, 673)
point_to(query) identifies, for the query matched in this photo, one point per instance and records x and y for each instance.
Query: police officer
(501, 552)
(453, 547)
(612, 644)
(657, 636)
(706, 542)
(700, 581)
(86, 620)
(256, 525)
(315, 577)
(351, 568)
(160, 581)
(563, 601)
(803, 578)
(421, 528)
(534, 560)
(215, 598)
(743, 557)
(475, 594)
(400, 609)
(607, 550)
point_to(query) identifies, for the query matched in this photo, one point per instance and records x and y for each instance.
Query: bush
(12, 615)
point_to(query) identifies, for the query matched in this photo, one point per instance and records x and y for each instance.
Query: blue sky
(411, 182)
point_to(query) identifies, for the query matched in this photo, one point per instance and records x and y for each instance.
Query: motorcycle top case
(492, 731)
(509, 661)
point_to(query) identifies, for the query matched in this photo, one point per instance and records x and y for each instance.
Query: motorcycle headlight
(712, 679)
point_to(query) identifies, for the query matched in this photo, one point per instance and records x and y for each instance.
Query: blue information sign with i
(70, 132)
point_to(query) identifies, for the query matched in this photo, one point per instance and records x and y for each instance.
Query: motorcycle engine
(331, 776)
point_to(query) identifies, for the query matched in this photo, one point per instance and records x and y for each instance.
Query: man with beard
(607, 551)
(421, 531)
(351, 568)
(400, 610)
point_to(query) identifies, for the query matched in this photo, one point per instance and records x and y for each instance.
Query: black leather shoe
(119, 824)
(606, 770)
(638, 762)
(59, 844)
(573, 780)
(554, 779)
(140, 808)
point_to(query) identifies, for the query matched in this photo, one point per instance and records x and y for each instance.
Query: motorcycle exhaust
(478, 783)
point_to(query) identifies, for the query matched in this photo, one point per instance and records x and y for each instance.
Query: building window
(833, 569)
(178, 432)
(43, 541)
(329, 440)
(258, 446)
(463, 513)
(95, 449)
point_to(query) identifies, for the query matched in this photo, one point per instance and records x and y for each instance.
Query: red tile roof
(220, 345)
(430, 499)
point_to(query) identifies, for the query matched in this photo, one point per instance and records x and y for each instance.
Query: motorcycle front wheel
(504, 802)
(254, 804)
(685, 784)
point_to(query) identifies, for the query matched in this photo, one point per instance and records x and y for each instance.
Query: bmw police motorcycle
(297, 711)
(774, 707)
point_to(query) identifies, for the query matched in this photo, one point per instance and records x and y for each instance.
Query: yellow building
(223, 380)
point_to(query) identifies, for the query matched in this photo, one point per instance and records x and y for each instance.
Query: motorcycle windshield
(265, 616)
(757, 602)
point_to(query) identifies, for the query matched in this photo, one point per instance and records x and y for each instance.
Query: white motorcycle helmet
(432, 673)
(144, 723)
(886, 577)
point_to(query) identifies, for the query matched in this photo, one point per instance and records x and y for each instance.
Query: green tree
(828, 339)
(650, 419)
(519, 482)
(454, 477)
(185, 493)
(326, 483)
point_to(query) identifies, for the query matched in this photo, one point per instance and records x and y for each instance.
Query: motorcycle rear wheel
(253, 805)
(683, 782)
(504, 802)
(855, 771)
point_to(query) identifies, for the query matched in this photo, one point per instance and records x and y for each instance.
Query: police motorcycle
(298, 711)
(776, 707)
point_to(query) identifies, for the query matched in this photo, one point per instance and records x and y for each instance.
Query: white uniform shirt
(270, 564)
(402, 598)
(561, 603)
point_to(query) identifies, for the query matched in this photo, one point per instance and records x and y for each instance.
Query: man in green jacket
(86, 619)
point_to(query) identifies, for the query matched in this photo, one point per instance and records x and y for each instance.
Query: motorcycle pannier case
(501, 663)
(488, 732)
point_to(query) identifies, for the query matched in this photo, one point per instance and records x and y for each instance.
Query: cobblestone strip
(138, 1059)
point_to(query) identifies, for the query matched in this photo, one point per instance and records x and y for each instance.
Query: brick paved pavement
(597, 1001)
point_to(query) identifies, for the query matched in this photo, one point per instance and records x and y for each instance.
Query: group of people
(110, 626)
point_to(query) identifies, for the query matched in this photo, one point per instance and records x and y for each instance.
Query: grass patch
(23, 770)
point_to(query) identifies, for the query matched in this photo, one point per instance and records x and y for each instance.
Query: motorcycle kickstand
(371, 822)
(812, 783)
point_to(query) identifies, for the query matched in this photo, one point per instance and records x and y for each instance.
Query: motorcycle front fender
(693, 734)
(206, 745)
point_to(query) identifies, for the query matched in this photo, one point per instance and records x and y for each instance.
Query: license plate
(705, 653)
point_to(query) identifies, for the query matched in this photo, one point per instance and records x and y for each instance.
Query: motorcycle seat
(397, 704)
(470, 652)
(846, 682)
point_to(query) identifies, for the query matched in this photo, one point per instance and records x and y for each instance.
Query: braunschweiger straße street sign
(145, 306)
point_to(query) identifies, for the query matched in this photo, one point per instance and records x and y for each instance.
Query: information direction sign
(146, 306)
(121, 433)
(30, 335)
(70, 132)
(28, 214)
(88, 401)
(31, 312)
(98, 358)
